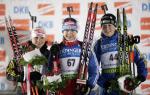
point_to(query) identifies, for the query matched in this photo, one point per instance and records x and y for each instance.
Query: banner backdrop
(50, 14)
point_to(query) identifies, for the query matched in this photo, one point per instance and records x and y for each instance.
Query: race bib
(69, 65)
(109, 60)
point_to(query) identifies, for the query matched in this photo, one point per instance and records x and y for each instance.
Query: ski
(86, 46)
(125, 45)
(120, 40)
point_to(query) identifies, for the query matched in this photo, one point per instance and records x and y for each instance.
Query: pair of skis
(16, 47)
(126, 50)
(125, 46)
(86, 46)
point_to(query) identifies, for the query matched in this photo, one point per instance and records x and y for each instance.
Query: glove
(95, 88)
(54, 49)
(107, 84)
(34, 76)
(20, 77)
(127, 83)
(130, 83)
(93, 91)
(82, 89)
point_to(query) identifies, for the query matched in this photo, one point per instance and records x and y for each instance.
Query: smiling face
(38, 37)
(70, 29)
(108, 29)
(70, 35)
(38, 41)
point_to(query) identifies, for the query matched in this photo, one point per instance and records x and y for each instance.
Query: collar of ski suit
(72, 43)
(113, 36)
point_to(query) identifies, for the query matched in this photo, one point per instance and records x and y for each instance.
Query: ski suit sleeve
(92, 72)
(44, 50)
(50, 61)
(53, 51)
(96, 50)
(141, 64)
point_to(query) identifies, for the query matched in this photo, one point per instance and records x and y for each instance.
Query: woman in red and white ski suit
(69, 52)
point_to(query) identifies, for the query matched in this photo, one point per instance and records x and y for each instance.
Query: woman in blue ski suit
(106, 51)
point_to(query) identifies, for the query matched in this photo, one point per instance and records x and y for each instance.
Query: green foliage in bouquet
(23, 62)
(36, 60)
(57, 85)
(54, 86)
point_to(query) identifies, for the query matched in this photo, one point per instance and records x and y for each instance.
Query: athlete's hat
(108, 19)
(70, 24)
(38, 31)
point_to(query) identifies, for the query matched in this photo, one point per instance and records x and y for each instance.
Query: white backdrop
(50, 14)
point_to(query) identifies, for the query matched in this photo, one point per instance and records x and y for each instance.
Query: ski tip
(118, 14)
(123, 11)
(96, 5)
(91, 4)
(117, 10)
(124, 15)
